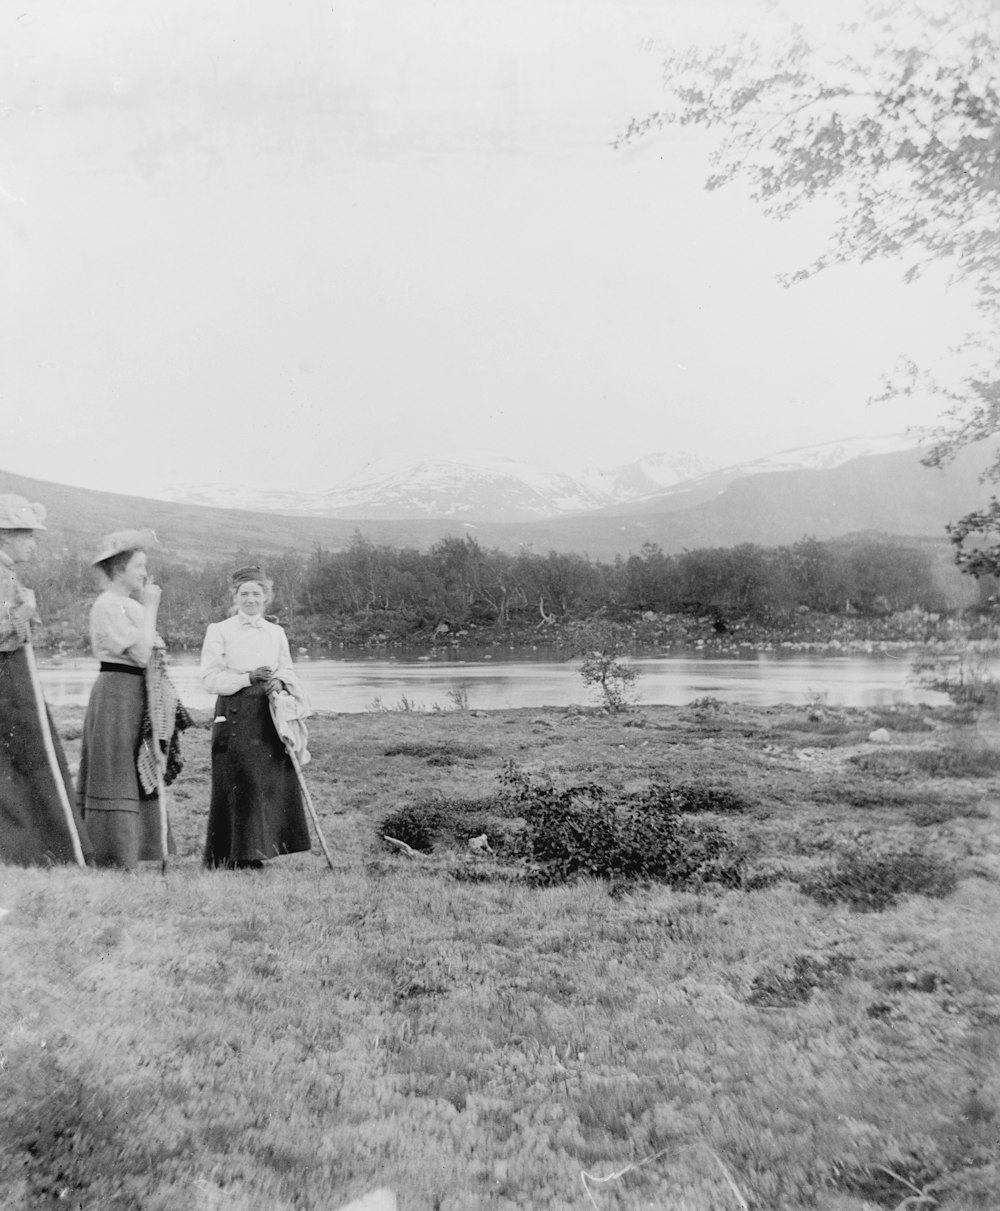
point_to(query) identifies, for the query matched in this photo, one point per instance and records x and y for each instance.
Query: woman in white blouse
(122, 822)
(256, 809)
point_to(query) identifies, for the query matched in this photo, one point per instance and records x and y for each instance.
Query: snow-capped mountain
(483, 488)
(475, 489)
(824, 456)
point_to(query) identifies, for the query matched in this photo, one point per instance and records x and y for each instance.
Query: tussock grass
(439, 754)
(870, 881)
(227, 1041)
(966, 758)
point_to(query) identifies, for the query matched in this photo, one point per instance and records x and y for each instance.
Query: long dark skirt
(34, 827)
(256, 810)
(123, 823)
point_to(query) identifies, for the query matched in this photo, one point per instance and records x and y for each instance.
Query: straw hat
(16, 513)
(124, 540)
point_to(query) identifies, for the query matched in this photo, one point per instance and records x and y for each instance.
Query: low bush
(415, 825)
(445, 822)
(588, 830)
(870, 882)
(686, 798)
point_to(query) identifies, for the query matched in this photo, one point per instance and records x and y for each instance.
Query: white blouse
(116, 623)
(232, 649)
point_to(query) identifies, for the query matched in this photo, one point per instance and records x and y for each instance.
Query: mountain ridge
(478, 488)
(889, 493)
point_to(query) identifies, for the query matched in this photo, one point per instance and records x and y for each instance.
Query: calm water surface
(355, 683)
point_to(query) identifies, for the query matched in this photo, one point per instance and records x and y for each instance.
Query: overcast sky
(273, 243)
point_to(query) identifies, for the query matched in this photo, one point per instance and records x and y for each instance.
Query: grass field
(823, 1036)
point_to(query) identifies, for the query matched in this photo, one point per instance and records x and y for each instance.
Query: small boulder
(879, 736)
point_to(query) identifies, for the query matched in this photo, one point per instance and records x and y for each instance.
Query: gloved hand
(260, 675)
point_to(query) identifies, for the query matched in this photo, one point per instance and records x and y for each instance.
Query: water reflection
(356, 683)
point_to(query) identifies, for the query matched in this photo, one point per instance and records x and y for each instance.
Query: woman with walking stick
(256, 809)
(124, 820)
(38, 822)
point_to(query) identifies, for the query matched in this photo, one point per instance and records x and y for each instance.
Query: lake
(354, 683)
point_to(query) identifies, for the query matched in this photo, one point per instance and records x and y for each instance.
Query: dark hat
(241, 575)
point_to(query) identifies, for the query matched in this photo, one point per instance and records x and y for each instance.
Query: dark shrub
(452, 821)
(588, 830)
(871, 882)
(414, 825)
(685, 798)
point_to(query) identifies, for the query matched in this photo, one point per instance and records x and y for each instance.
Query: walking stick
(309, 805)
(158, 762)
(297, 766)
(50, 753)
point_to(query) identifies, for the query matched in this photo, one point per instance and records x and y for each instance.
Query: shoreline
(667, 634)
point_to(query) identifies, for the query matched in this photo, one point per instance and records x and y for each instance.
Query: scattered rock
(402, 848)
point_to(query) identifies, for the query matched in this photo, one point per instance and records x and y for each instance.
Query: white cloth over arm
(289, 715)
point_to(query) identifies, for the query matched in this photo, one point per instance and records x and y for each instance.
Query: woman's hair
(116, 563)
(265, 583)
(8, 534)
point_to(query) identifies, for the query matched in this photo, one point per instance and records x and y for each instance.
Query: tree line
(368, 591)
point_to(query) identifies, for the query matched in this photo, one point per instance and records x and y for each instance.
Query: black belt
(134, 669)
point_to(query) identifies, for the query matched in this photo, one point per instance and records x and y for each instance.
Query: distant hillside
(79, 516)
(888, 493)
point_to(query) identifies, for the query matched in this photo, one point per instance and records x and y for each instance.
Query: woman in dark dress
(38, 822)
(256, 809)
(122, 820)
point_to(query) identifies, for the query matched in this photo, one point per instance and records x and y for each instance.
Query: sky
(272, 244)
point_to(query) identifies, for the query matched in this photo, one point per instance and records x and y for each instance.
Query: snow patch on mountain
(481, 487)
(826, 455)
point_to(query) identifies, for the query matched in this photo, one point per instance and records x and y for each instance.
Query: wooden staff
(159, 762)
(290, 750)
(50, 752)
(309, 805)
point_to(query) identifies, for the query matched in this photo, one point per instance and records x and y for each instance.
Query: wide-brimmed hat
(242, 575)
(124, 540)
(16, 513)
